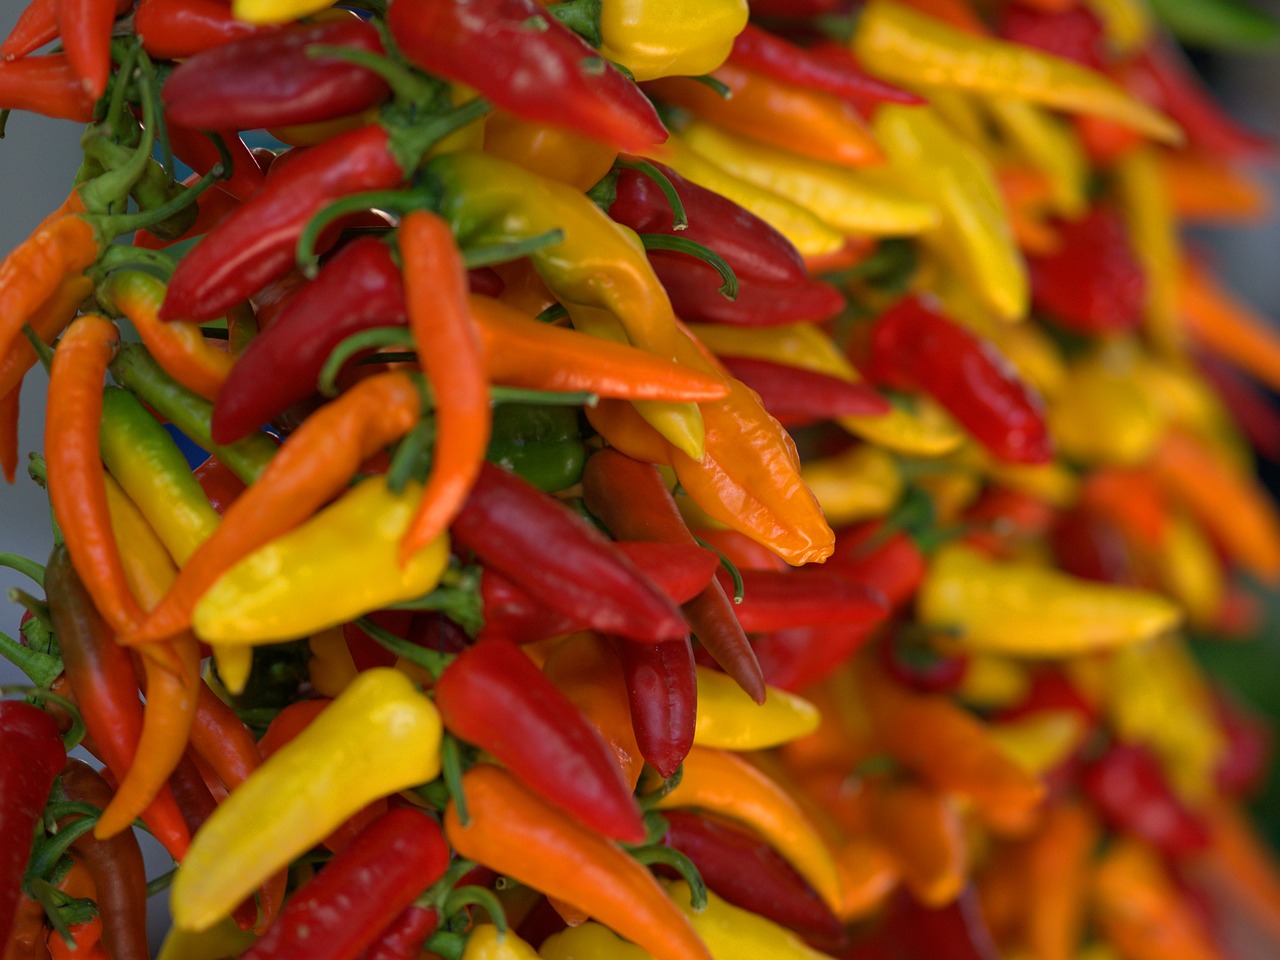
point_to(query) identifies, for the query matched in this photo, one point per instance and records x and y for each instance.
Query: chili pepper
(200, 153)
(1022, 608)
(86, 27)
(221, 740)
(1130, 792)
(1240, 862)
(224, 939)
(914, 347)
(720, 782)
(380, 735)
(360, 891)
(654, 40)
(1073, 34)
(86, 942)
(451, 354)
(485, 942)
(48, 321)
(900, 45)
(918, 931)
(806, 121)
(270, 79)
(493, 696)
(351, 568)
(800, 657)
(32, 754)
(116, 865)
(730, 931)
(795, 395)
(532, 540)
(404, 937)
(859, 483)
(36, 26)
(589, 941)
(631, 499)
(212, 208)
(517, 834)
(548, 151)
(922, 830)
(839, 196)
(662, 694)
(1206, 189)
(27, 937)
(1225, 326)
(221, 487)
(47, 85)
(779, 600)
(728, 720)
(538, 442)
(174, 29)
(1247, 752)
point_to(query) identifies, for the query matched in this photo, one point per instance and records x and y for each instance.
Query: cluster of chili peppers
(675, 480)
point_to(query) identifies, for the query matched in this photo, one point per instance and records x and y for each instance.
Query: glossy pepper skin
(360, 891)
(270, 80)
(662, 694)
(45, 85)
(773, 285)
(31, 755)
(547, 72)
(172, 29)
(915, 347)
(661, 38)
(493, 696)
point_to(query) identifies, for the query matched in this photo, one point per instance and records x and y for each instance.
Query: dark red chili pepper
(31, 754)
(887, 561)
(358, 288)
(171, 29)
(219, 484)
(798, 657)
(958, 931)
(631, 500)
(45, 85)
(86, 27)
(548, 74)
(493, 696)
(404, 938)
(914, 663)
(116, 865)
(539, 544)
(780, 600)
(662, 692)
(270, 79)
(750, 874)
(914, 347)
(797, 396)
(681, 571)
(101, 676)
(1130, 792)
(195, 799)
(1074, 34)
(345, 907)
(1251, 409)
(1086, 545)
(773, 286)
(1094, 283)
(201, 154)
(255, 244)
(773, 56)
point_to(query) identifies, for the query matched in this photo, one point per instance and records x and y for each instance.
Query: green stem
(44, 353)
(41, 668)
(430, 660)
(412, 457)
(582, 17)
(489, 254)
(101, 193)
(115, 226)
(661, 241)
(371, 339)
(161, 883)
(50, 852)
(71, 739)
(48, 897)
(739, 588)
(451, 768)
(122, 257)
(462, 897)
(393, 201)
(447, 945)
(682, 865)
(679, 219)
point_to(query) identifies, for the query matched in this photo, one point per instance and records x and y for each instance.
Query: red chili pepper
(796, 396)
(36, 26)
(1252, 410)
(1129, 790)
(681, 571)
(1094, 283)
(1007, 518)
(662, 692)
(271, 80)
(785, 599)
(101, 676)
(255, 244)
(831, 68)
(201, 154)
(773, 286)
(493, 696)
(116, 865)
(219, 484)
(958, 931)
(173, 29)
(45, 85)
(86, 27)
(345, 907)
(750, 874)
(918, 665)
(548, 74)
(802, 656)
(404, 938)
(9, 415)
(1088, 546)
(913, 347)
(530, 538)
(221, 740)
(31, 754)
(885, 560)
(1074, 34)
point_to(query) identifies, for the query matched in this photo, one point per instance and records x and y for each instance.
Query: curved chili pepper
(451, 354)
(922, 830)
(799, 657)
(360, 891)
(173, 29)
(780, 600)
(662, 692)
(200, 153)
(1131, 793)
(86, 27)
(549, 73)
(45, 85)
(101, 677)
(48, 321)
(795, 395)
(631, 499)
(31, 754)
(36, 26)
(270, 79)
(914, 347)
(515, 833)
(539, 545)
(494, 697)
(404, 937)
(116, 865)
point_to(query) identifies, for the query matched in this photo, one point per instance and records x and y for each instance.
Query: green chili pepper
(540, 443)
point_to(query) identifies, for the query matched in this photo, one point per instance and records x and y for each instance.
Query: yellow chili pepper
(486, 942)
(1102, 416)
(336, 566)
(590, 941)
(276, 11)
(670, 38)
(992, 681)
(811, 236)
(1153, 231)
(224, 939)
(732, 933)
(930, 161)
(379, 736)
(728, 719)
(331, 667)
(859, 484)
(840, 196)
(898, 44)
(726, 784)
(1051, 148)
(1040, 741)
(1020, 609)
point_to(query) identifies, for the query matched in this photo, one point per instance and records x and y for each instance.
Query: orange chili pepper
(520, 835)
(178, 347)
(868, 874)
(553, 152)
(799, 119)
(452, 355)
(1130, 499)
(1206, 189)
(77, 484)
(922, 830)
(315, 464)
(48, 321)
(1235, 510)
(1057, 869)
(1227, 327)
(60, 248)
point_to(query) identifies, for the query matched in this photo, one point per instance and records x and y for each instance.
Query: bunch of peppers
(624, 479)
